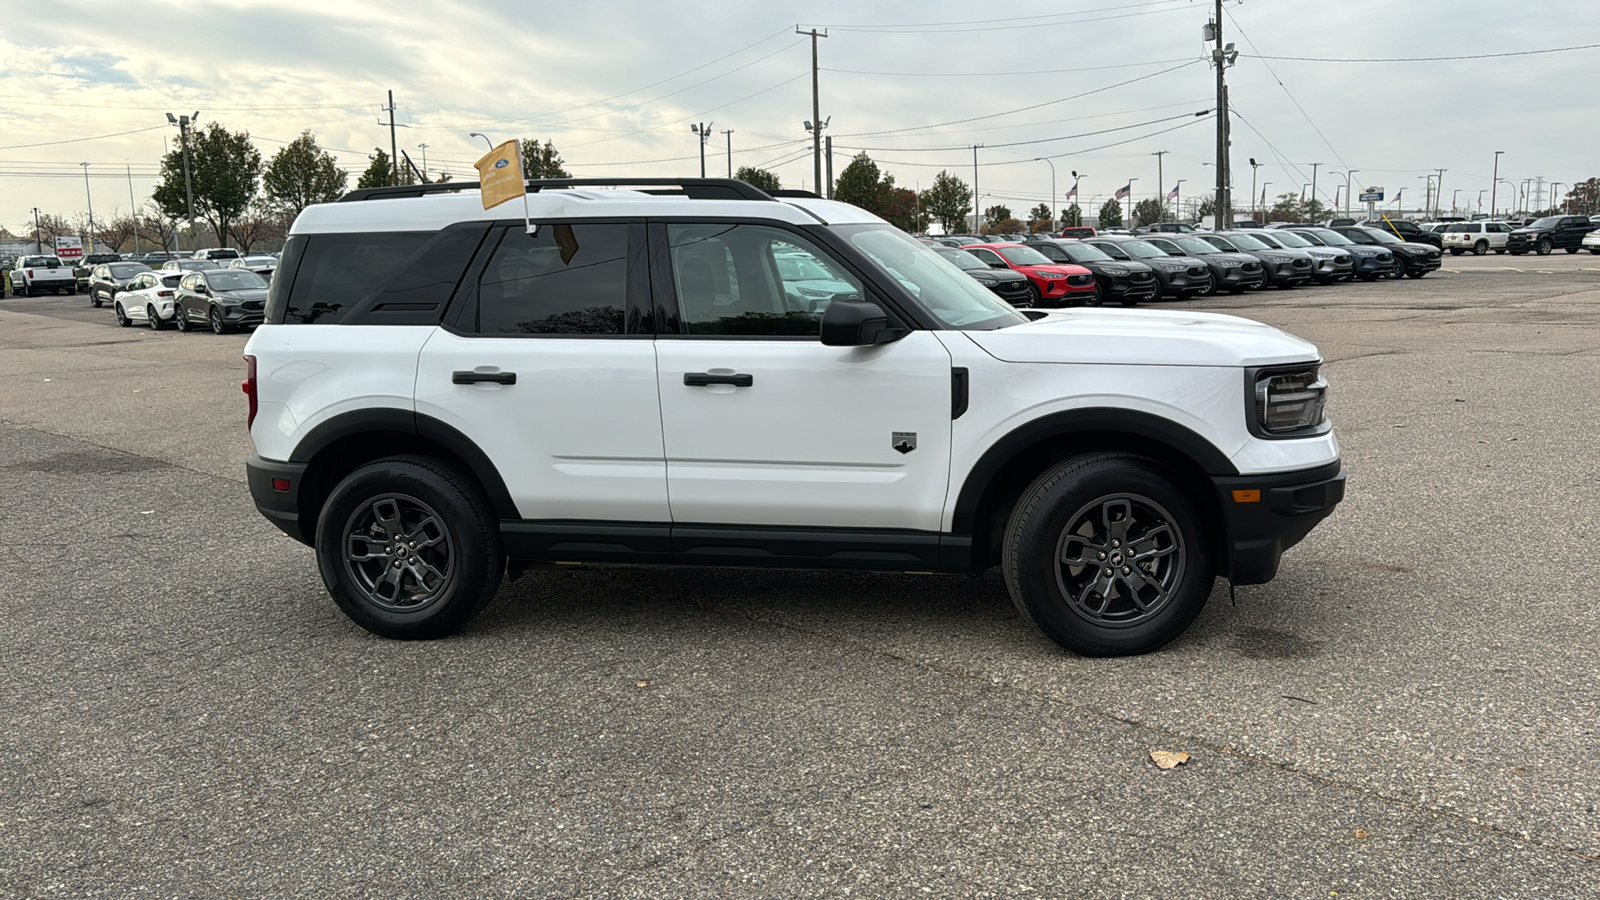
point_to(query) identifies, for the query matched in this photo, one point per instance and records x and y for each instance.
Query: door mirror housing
(998, 265)
(850, 323)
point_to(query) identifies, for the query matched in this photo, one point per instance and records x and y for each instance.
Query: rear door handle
(482, 377)
(701, 379)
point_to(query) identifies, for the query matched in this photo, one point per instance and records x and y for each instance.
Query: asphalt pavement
(1408, 710)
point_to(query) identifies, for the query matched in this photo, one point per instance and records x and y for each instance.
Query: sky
(1092, 86)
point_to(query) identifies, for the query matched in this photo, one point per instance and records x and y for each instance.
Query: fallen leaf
(1166, 759)
(1362, 833)
(641, 684)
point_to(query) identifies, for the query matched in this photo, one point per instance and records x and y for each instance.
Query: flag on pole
(1123, 192)
(1072, 192)
(500, 175)
(1173, 194)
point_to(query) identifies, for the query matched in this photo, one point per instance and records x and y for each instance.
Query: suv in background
(216, 253)
(1408, 231)
(479, 394)
(1478, 237)
(1550, 233)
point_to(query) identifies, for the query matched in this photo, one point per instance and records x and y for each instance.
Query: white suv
(439, 396)
(1478, 237)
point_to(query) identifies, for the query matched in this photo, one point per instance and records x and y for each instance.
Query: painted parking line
(1497, 269)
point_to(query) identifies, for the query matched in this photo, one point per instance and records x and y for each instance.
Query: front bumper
(1417, 262)
(1125, 289)
(1287, 273)
(1183, 282)
(238, 316)
(281, 507)
(1265, 515)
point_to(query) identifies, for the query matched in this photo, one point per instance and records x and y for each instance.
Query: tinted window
(1462, 229)
(1024, 256)
(337, 270)
(1546, 222)
(170, 281)
(753, 280)
(987, 257)
(235, 280)
(569, 279)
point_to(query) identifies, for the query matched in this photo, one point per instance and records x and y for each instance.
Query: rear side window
(336, 271)
(568, 279)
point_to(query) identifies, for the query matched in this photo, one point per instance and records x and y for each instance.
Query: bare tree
(48, 228)
(116, 233)
(158, 228)
(256, 226)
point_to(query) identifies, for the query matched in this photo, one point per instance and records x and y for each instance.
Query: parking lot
(1410, 708)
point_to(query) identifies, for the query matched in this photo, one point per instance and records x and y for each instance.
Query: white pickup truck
(35, 274)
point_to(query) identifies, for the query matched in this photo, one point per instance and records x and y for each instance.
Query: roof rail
(693, 188)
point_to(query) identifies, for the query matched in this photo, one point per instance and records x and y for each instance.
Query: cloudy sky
(1096, 86)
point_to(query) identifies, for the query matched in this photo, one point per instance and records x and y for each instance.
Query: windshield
(235, 280)
(1311, 239)
(962, 259)
(1141, 250)
(1082, 253)
(1271, 240)
(1546, 222)
(1113, 251)
(1332, 238)
(1196, 246)
(944, 289)
(1023, 256)
(1052, 252)
(128, 270)
(1384, 237)
(1290, 239)
(1247, 242)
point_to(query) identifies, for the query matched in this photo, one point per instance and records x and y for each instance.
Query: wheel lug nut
(1116, 543)
(1126, 570)
(1102, 556)
(1109, 571)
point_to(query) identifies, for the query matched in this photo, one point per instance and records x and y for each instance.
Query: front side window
(1114, 251)
(753, 281)
(988, 257)
(568, 279)
(944, 290)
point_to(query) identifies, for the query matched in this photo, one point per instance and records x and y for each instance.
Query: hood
(1062, 268)
(997, 275)
(1323, 252)
(244, 294)
(1144, 337)
(1360, 250)
(1228, 257)
(1130, 267)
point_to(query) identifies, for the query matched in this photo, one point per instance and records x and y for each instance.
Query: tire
(217, 325)
(180, 319)
(154, 319)
(1456, 252)
(1236, 291)
(1081, 505)
(1097, 298)
(1415, 274)
(441, 584)
(1480, 248)
(1500, 250)
(1544, 247)
(1595, 251)
(94, 300)
(1369, 278)
(122, 317)
(1572, 249)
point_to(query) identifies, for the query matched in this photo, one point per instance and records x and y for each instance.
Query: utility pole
(90, 198)
(1222, 57)
(394, 146)
(38, 239)
(133, 205)
(829, 156)
(703, 129)
(424, 149)
(1438, 198)
(816, 109)
(1160, 180)
(1314, 180)
(1538, 192)
(729, 135)
(1495, 186)
(977, 214)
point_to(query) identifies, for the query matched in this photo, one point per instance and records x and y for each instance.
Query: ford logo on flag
(501, 163)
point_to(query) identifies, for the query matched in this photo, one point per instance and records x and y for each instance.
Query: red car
(1054, 284)
(1077, 231)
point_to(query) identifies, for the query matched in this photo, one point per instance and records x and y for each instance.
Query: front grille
(1252, 267)
(1341, 259)
(1302, 264)
(1141, 277)
(1197, 270)
(254, 305)
(1011, 288)
(1080, 279)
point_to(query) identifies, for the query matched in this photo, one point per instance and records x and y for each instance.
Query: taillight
(30, 273)
(249, 387)
(163, 293)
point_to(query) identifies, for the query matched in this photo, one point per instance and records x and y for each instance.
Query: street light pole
(1553, 193)
(729, 135)
(1453, 194)
(1438, 195)
(1480, 202)
(1347, 191)
(1077, 198)
(38, 239)
(1314, 180)
(424, 149)
(1052, 166)
(704, 130)
(183, 123)
(1253, 167)
(1496, 183)
(1160, 180)
(484, 136)
(90, 198)
(1130, 202)
(1177, 198)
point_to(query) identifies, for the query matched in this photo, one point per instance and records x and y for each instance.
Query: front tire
(1107, 554)
(408, 548)
(1544, 248)
(217, 325)
(180, 319)
(94, 299)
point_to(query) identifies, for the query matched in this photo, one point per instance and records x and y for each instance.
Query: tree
(1148, 211)
(258, 226)
(1111, 214)
(1072, 216)
(904, 211)
(861, 184)
(379, 173)
(302, 173)
(948, 202)
(761, 178)
(1584, 198)
(993, 216)
(157, 227)
(1040, 219)
(116, 233)
(46, 228)
(225, 168)
(541, 161)
(1287, 209)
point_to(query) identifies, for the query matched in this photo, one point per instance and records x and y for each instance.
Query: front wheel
(180, 319)
(217, 325)
(1095, 297)
(94, 299)
(1572, 249)
(1108, 555)
(409, 548)
(1544, 248)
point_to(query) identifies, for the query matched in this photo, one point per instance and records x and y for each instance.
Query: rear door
(547, 365)
(766, 426)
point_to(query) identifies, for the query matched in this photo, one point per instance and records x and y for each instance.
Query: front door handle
(701, 379)
(481, 377)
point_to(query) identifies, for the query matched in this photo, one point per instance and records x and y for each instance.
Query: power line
(98, 137)
(1286, 91)
(1064, 137)
(1424, 58)
(988, 24)
(1154, 62)
(1074, 153)
(695, 115)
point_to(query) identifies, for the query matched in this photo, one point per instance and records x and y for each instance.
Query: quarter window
(753, 280)
(569, 279)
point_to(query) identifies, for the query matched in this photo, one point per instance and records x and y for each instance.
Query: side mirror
(851, 323)
(998, 265)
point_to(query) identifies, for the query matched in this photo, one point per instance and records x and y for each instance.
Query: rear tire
(409, 548)
(1124, 512)
(1480, 248)
(1572, 249)
(153, 319)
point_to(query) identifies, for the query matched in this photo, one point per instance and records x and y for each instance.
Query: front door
(763, 424)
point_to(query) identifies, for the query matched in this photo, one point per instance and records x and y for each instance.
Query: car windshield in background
(1247, 242)
(1384, 237)
(945, 290)
(1023, 256)
(128, 270)
(1333, 238)
(802, 268)
(46, 262)
(1140, 250)
(1196, 246)
(1546, 222)
(1290, 239)
(1052, 252)
(235, 280)
(1082, 253)
(1271, 240)
(962, 259)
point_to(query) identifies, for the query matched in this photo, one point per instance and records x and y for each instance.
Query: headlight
(1172, 266)
(1050, 275)
(1289, 401)
(1115, 273)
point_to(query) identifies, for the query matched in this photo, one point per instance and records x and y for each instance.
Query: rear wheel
(1480, 248)
(1106, 554)
(122, 317)
(154, 318)
(408, 548)
(1572, 249)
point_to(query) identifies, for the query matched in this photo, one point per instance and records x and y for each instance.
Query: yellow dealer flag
(500, 175)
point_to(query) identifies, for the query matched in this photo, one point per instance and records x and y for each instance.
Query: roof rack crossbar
(693, 188)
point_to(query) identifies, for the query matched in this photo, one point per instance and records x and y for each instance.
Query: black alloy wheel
(180, 319)
(217, 325)
(1106, 553)
(94, 298)
(1097, 297)
(153, 318)
(409, 548)
(122, 317)
(1480, 248)
(1545, 246)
